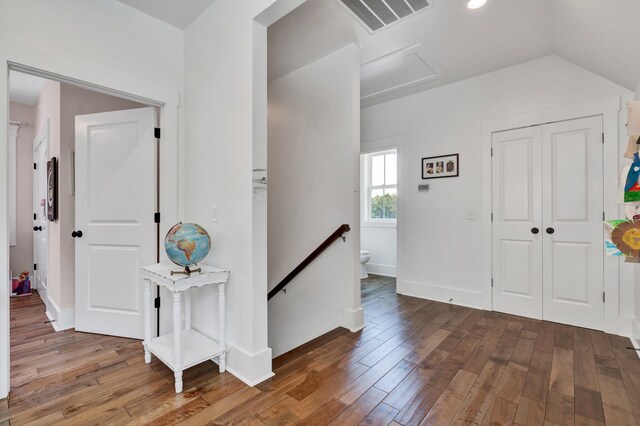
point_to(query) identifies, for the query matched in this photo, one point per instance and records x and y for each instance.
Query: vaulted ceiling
(450, 42)
(446, 42)
(179, 13)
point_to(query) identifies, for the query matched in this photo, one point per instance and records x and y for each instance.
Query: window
(380, 181)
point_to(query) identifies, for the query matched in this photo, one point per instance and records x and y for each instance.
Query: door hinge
(35, 266)
(491, 216)
(603, 137)
(603, 215)
(35, 166)
(604, 297)
(156, 133)
(156, 302)
(156, 217)
(491, 282)
(35, 216)
(492, 152)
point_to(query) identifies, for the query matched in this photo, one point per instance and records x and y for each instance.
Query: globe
(187, 244)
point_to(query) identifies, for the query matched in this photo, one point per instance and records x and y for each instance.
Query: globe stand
(187, 271)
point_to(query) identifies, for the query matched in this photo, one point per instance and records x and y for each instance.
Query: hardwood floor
(416, 363)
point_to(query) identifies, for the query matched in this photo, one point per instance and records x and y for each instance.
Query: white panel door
(517, 219)
(573, 255)
(40, 222)
(115, 204)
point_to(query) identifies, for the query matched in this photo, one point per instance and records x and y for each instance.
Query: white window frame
(367, 188)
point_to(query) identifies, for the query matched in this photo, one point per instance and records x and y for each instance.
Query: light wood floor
(416, 362)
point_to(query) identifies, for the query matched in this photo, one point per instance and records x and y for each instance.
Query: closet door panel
(517, 249)
(572, 174)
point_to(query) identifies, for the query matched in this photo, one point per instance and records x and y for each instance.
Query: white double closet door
(547, 222)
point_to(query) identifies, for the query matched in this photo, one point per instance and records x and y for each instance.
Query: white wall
(381, 242)
(313, 156)
(22, 252)
(441, 249)
(48, 108)
(225, 74)
(99, 42)
(635, 327)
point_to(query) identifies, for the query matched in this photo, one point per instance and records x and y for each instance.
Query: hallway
(416, 362)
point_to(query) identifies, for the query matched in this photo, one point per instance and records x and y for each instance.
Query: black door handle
(550, 231)
(37, 228)
(76, 234)
(535, 230)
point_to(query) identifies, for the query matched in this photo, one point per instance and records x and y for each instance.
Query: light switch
(471, 214)
(214, 214)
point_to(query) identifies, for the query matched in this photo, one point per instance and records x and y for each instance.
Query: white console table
(186, 347)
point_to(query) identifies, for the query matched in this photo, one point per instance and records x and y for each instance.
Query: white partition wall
(13, 184)
(107, 56)
(313, 158)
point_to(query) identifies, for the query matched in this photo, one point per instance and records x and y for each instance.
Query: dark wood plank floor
(416, 363)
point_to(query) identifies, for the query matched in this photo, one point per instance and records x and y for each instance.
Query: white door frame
(42, 137)
(169, 111)
(382, 144)
(609, 109)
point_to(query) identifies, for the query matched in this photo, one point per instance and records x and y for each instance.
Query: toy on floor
(21, 286)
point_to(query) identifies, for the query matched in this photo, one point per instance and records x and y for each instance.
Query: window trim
(368, 188)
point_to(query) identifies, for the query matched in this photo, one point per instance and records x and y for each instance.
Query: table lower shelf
(196, 348)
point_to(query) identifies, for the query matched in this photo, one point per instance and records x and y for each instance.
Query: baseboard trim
(61, 319)
(43, 295)
(384, 270)
(456, 296)
(248, 382)
(251, 369)
(354, 319)
(635, 335)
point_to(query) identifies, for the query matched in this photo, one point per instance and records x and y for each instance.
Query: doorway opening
(85, 190)
(379, 220)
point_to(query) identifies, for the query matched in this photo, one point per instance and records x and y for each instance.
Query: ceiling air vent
(378, 14)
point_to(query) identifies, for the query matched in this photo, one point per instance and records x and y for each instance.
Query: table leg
(222, 327)
(177, 335)
(147, 320)
(187, 310)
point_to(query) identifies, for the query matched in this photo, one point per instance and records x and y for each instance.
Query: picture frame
(52, 189)
(441, 166)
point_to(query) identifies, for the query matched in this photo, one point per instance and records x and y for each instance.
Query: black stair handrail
(317, 252)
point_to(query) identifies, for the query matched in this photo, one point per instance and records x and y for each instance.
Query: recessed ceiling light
(476, 4)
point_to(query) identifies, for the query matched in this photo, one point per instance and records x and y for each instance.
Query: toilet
(365, 256)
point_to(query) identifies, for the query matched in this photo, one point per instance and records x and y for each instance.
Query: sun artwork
(626, 236)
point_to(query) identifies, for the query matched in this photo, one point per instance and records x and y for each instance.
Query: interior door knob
(76, 234)
(37, 228)
(550, 231)
(535, 230)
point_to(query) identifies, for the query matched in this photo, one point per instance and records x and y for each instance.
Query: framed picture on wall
(441, 166)
(52, 189)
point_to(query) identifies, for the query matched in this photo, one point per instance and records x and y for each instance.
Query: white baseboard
(251, 369)
(61, 319)
(456, 296)
(354, 319)
(43, 295)
(384, 270)
(635, 335)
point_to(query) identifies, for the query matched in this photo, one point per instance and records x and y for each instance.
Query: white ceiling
(448, 42)
(179, 13)
(457, 43)
(601, 36)
(24, 88)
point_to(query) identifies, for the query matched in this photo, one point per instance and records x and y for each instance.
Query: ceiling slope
(176, 13)
(455, 42)
(601, 36)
